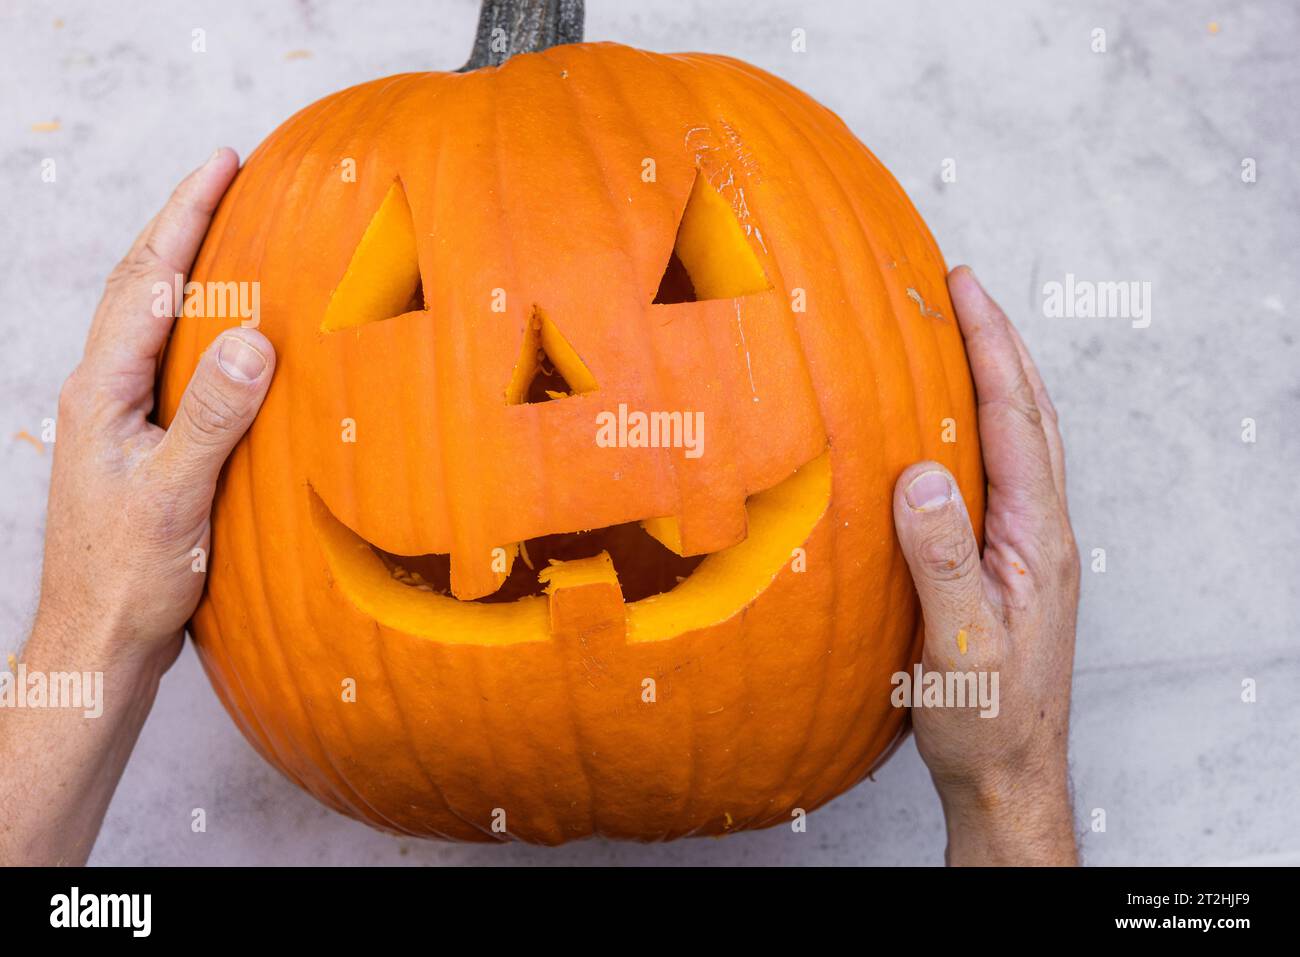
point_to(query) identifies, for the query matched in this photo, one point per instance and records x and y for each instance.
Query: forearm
(60, 765)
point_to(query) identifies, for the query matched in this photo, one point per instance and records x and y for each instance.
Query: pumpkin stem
(507, 27)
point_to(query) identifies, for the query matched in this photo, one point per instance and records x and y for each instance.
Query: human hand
(1003, 781)
(129, 505)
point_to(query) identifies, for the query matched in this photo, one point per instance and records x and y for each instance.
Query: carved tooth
(474, 576)
(586, 599)
(702, 531)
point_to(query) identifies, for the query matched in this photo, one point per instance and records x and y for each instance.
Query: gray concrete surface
(1122, 165)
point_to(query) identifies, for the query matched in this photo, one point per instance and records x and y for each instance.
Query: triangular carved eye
(383, 279)
(712, 257)
(548, 366)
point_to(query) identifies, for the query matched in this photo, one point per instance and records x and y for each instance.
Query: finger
(939, 544)
(1051, 421)
(1016, 458)
(183, 221)
(142, 238)
(127, 330)
(218, 406)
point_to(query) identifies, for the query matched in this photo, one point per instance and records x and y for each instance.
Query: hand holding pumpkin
(127, 531)
(1003, 782)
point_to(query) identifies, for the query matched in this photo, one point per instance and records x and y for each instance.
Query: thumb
(217, 408)
(935, 533)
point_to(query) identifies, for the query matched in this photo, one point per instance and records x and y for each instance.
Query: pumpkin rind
(528, 178)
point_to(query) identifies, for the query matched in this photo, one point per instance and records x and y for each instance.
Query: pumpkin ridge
(707, 64)
(883, 742)
(240, 469)
(798, 754)
(783, 92)
(841, 144)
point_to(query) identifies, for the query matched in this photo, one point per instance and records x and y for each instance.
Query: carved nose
(548, 367)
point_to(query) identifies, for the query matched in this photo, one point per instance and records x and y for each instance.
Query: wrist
(60, 638)
(1023, 819)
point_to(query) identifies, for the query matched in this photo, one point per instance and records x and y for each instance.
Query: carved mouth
(617, 577)
(645, 567)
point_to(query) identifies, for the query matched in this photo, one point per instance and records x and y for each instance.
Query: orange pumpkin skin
(530, 179)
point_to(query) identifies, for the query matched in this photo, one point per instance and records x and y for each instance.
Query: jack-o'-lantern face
(608, 444)
(571, 495)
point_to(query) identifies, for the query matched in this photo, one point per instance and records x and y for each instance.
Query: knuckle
(1046, 406)
(1019, 405)
(991, 329)
(1030, 412)
(211, 414)
(72, 394)
(947, 556)
(153, 259)
(1069, 566)
(1022, 400)
(139, 266)
(1053, 556)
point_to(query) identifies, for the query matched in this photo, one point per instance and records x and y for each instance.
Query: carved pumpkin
(437, 599)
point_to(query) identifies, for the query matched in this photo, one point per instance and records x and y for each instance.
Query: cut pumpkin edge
(781, 519)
